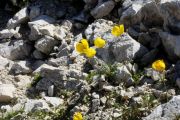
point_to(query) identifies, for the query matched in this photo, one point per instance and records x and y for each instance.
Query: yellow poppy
(77, 116)
(90, 52)
(159, 65)
(99, 42)
(82, 45)
(117, 30)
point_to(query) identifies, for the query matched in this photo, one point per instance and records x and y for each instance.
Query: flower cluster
(77, 116)
(83, 47)
(159, 65)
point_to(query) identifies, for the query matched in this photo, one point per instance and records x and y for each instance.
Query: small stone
(122, 74)
(55, 101)
(95, 105)
(137, 100)
(95, 95)
(6, 92)
(3, 62)
(129, 66)
(103, 100)
(155, 75)
(42, 94)
(101, 27)
(129, 82)
(108, 88)
(47, 30)
(51, 90)
(23, 80)
(6, 33)
(6, 108)
(116, 115)
(146, 80)
(126, 95)
(60, 33)
(62, 61)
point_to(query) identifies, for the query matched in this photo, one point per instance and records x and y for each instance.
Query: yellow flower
(99, 42)
(159, 65)
(77, 116)
(118, 30)
(90, 52)
(82, 45)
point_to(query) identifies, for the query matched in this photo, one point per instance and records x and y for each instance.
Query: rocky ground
(42, 77)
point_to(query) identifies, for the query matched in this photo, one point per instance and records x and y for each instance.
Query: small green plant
(39, 114)
(148, 101)
(130, 113)
(36, 78)
(135, 111)
(86, 100)
(108, 70)
(90, 76)
(52, 115)
(136, 77)
(59, 113)
(10, 115)
(65, 93)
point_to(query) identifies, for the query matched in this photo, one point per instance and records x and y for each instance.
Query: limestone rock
(95, 104)
(122, 75)
(97, 29)
(103, 9)
(6, 92)
(15, 50)
(38, 22)
(170, 12)
(19, 17)
(171, 44)
(33, 105)
(38, 55)
(21, 67)
(62, 61)
(3, 62)
(9, 33)
(46, 44)
(138, 11)
(167, 111)
(127, 49)
(55, 101)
